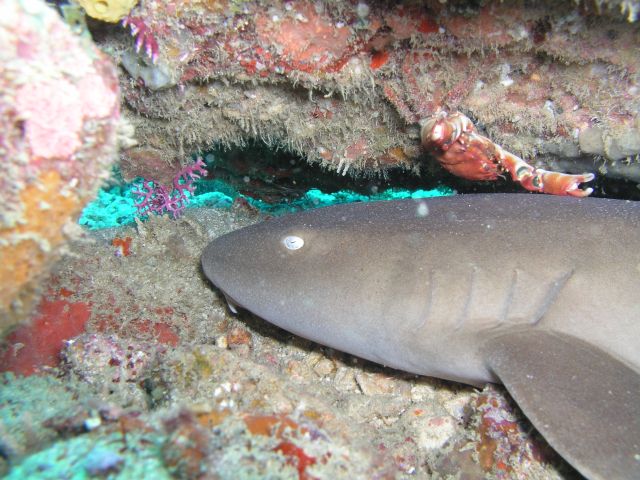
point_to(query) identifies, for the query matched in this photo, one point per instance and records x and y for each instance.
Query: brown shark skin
(438, 287)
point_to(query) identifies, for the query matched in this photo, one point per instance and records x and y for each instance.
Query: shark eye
(293, 242)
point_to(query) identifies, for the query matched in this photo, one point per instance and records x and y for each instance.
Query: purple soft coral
(143, 35)
(158, 199)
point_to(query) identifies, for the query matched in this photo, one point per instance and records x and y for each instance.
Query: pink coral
(157, 198)
(98, 99)
(52, 111)
(145, 38)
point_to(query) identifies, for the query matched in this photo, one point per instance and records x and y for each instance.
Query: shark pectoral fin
(585, 402)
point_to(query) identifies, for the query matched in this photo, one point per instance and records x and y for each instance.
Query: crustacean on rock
(461, 150)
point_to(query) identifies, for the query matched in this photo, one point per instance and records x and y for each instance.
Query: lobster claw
(556, 183)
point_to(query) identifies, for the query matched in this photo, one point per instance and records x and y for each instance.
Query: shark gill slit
(464, 314)
(504, 314)
(427, 313)
(552, 294)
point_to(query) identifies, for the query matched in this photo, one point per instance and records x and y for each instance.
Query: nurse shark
(539, 293)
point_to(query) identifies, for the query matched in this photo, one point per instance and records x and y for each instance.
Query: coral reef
(344, 84)
(131, 365)
(58, 113)
(504, 442)
(36, 345)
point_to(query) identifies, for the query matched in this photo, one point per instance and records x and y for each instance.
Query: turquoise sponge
(115, 205)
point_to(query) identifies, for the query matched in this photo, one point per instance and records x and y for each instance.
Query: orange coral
(25, 247)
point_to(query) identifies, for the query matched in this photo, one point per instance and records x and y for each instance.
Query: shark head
(282, 270)
(307, 273)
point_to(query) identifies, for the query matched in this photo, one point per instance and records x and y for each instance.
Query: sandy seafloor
(166, 382)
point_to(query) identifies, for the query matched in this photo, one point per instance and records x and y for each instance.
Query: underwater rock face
(59, 108)
(345, 84)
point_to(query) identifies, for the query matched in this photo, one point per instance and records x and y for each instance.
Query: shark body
(539, 293)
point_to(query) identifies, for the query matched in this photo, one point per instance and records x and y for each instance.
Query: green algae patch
(26, 409)
(87, 457)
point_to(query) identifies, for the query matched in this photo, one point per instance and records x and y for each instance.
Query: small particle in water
(422, 210)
